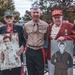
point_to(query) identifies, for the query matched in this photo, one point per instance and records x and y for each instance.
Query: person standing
(11, 28)
(59, 30)
(35, 32)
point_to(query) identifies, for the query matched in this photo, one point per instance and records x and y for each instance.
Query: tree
(27, 16)
(17, 15)
(7, 5)
(47, 6)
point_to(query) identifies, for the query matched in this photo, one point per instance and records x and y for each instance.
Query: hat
(57, 12)
(61, 43)
(8, 13)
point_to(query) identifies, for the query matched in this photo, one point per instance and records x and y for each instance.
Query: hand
(60, 39)
(25, 50)
(20, 50)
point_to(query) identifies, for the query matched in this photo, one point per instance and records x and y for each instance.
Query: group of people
(32, 37)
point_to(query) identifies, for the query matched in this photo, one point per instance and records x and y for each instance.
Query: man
(36, 33)
(59, 30)
(62, 60)
(10, 28)
(10, 57)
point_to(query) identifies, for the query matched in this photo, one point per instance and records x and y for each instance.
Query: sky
(23, 5)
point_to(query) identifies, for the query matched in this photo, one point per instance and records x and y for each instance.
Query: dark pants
(14, 71)
(35, 62)
(60, 72)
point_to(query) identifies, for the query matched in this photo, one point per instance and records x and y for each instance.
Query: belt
(12, 68)
(35, 47)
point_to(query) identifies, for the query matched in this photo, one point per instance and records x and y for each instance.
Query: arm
(2, 56)
(47, 34)
(23, 40)
(70, 64)
(69, 34)
(25, 33)
(53, 59)
(46, 38)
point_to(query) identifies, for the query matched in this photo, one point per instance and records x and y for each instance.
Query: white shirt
(55, 30)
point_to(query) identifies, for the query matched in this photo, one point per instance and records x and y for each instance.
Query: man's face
(9, 19)
(62, 48)
(7, 42)
(57, 19)
(35, 13)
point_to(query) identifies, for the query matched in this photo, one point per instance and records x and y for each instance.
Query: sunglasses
(8, 17)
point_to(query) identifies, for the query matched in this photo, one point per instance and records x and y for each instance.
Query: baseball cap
(61, 43)
(8, 13)
(57, 12)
